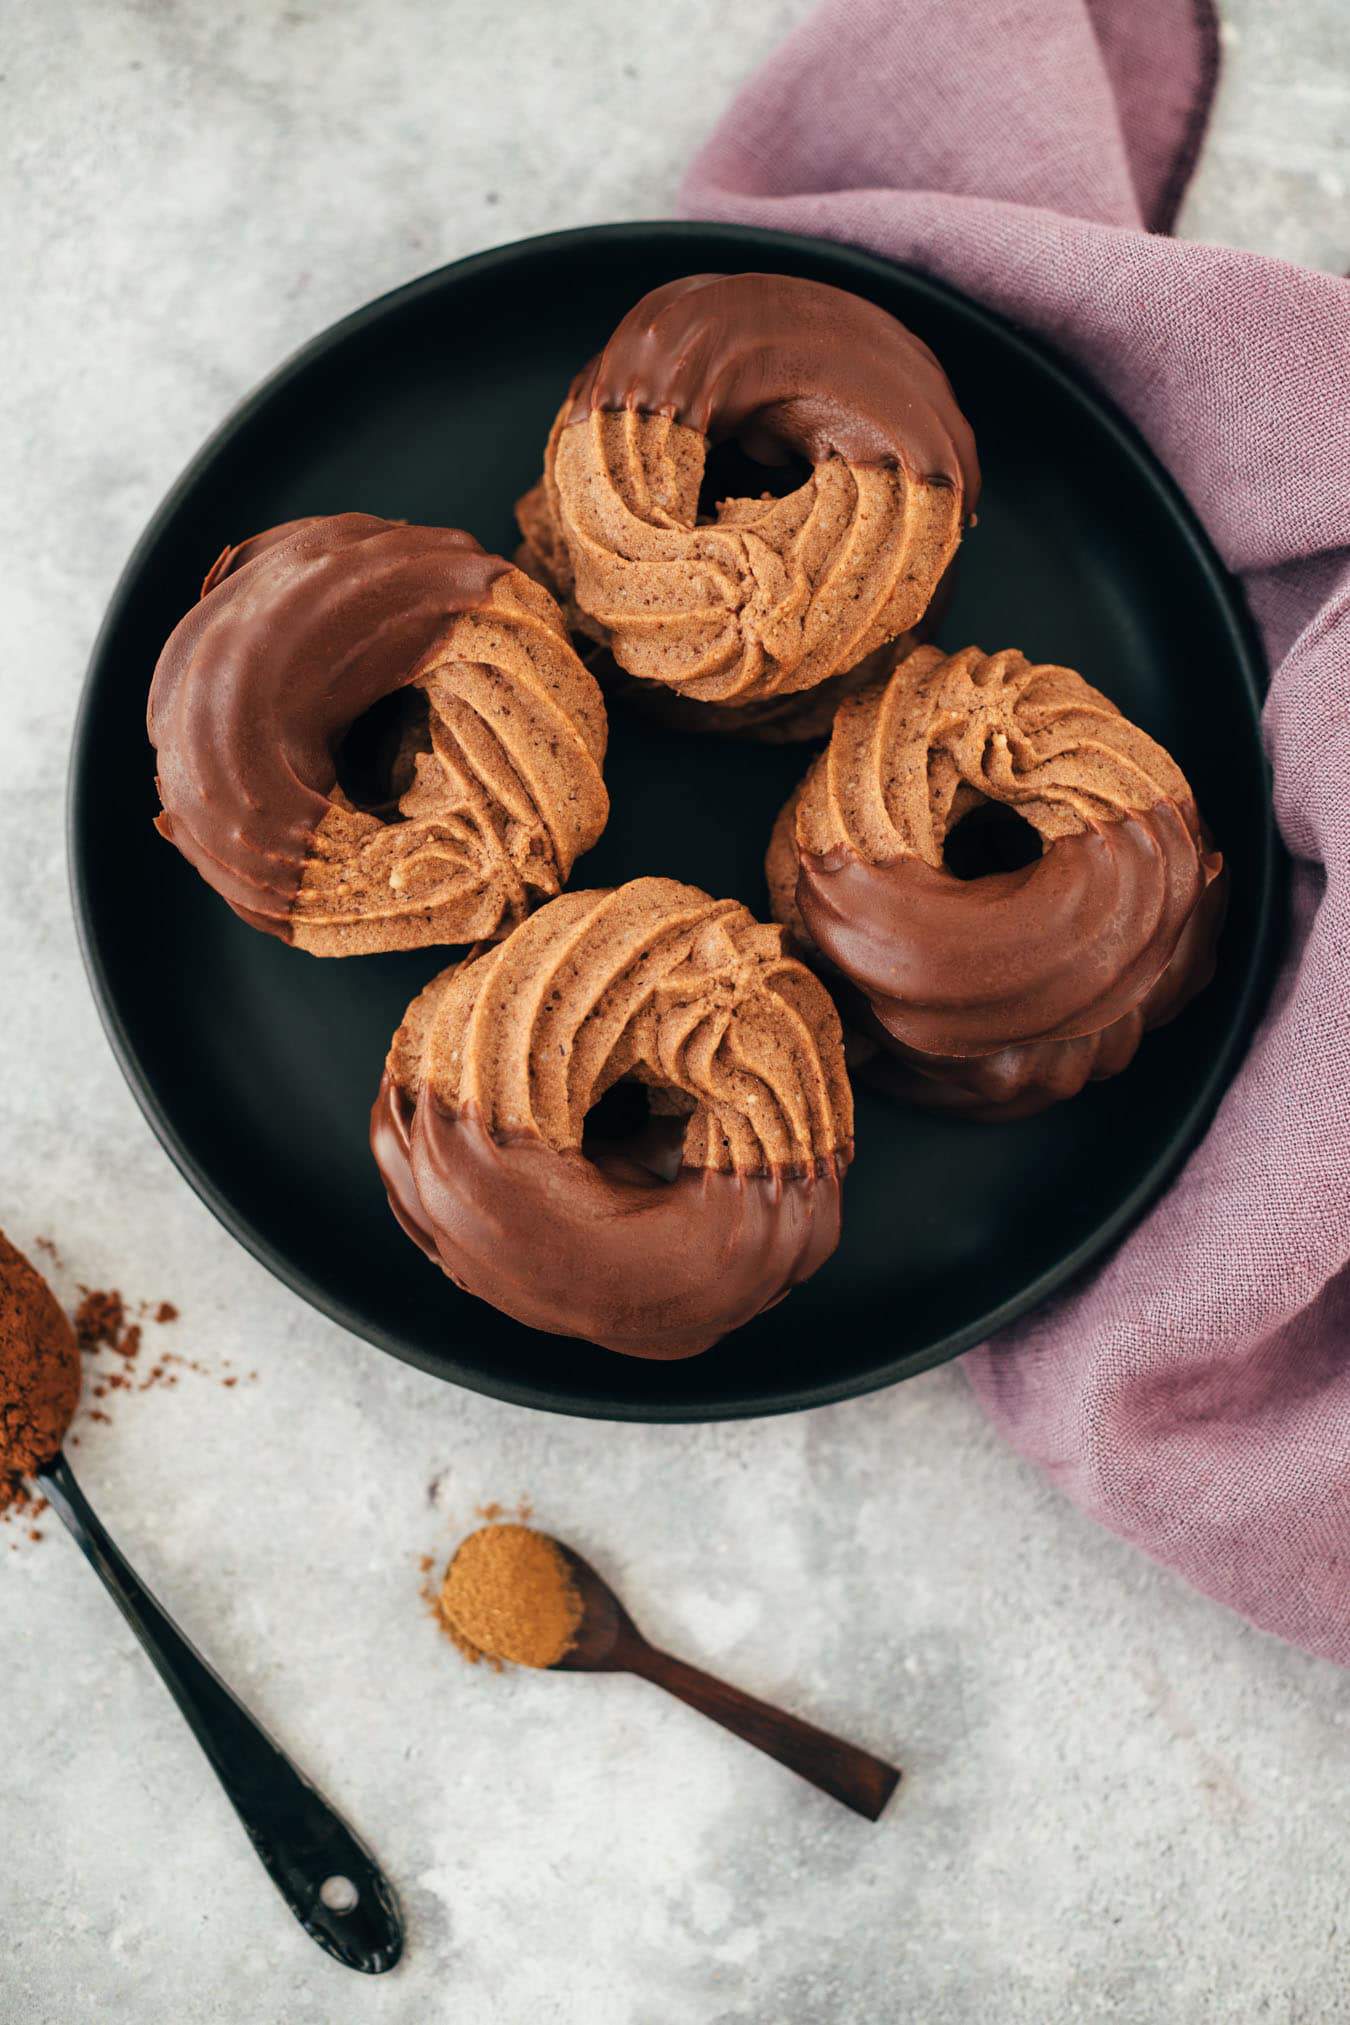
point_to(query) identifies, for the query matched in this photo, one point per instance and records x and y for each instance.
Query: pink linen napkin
(1195, 1395)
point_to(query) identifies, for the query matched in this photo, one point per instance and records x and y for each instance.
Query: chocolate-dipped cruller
(491, 795)
(998, 994)
(659, 1245)
(773, 595)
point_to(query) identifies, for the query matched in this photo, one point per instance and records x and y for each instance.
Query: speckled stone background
(1121, 1803)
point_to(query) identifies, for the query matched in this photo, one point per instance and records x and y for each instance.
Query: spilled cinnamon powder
(508, 1595)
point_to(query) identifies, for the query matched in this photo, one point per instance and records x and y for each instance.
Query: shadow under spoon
(325, 1873)
(608, 1641)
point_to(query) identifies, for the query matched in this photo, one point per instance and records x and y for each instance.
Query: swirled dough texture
(658, 1245)
(298, 633)
(771, 596)
(801, 719)
(999, 994)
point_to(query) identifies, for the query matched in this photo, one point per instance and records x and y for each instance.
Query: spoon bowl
(607, 1638)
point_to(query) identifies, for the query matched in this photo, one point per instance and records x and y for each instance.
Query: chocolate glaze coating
(1021, 1079)
(599, 1249)
(299, 631)
(235, 554)
(1060, 949)
(769, 357)
(1016, 1082)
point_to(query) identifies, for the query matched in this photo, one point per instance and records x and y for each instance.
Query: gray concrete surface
(1122, 1804)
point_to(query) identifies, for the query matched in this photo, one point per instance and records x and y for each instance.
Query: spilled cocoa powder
(109, 1331)
(102, 1322)
(100, 1319)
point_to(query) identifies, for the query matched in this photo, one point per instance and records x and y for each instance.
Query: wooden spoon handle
(846, 1773)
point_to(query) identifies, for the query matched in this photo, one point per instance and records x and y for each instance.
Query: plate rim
(1188, 1129)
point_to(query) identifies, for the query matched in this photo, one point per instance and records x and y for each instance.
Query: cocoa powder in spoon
(39, 1372)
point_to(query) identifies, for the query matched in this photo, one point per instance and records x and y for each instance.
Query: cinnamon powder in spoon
(39, 1372)
(508, 1595)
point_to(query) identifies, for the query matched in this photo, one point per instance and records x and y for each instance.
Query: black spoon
(325, 1873)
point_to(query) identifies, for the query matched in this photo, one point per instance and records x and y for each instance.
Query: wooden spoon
(608, 1641)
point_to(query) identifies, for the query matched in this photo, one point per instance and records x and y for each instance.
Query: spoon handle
(326, 1875)
(846, 1773)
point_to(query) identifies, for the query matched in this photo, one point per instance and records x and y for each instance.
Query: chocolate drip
(771, 358)
(299, 631)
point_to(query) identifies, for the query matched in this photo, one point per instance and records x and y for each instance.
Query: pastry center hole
(990, 838)
(626, 1138)
(731, 472)
(376, 759)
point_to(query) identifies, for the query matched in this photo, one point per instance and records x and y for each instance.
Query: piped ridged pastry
(658, 1243)
(491, 784)
(772, 596)
(803, 718)
(998, 994)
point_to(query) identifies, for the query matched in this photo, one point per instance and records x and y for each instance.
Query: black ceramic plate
(256, 1064)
